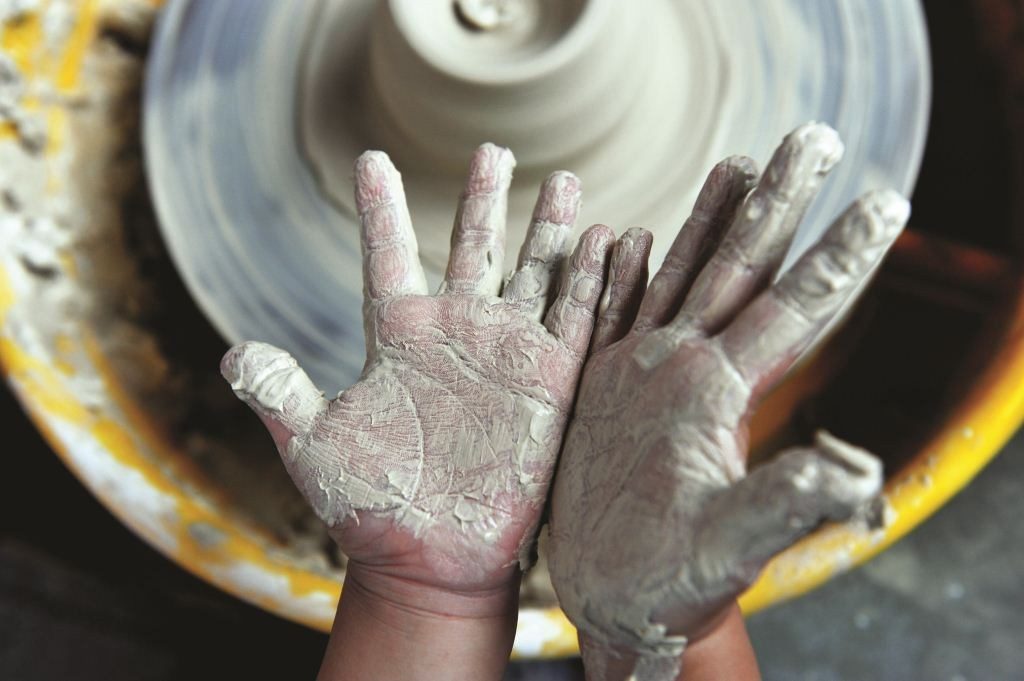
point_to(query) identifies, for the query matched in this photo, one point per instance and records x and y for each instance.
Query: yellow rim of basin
(118, 454)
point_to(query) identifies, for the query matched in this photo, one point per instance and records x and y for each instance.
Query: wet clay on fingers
(655, 527)
(447, 443)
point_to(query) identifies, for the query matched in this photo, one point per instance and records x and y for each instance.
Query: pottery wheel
(256, 110)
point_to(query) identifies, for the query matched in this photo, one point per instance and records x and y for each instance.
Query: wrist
(606, 662)
(403, 598)
(390, 628)
(721, 651)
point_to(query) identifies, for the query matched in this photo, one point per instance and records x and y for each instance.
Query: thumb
(270, 381)
(747, 524)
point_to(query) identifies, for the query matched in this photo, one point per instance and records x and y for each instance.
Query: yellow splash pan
(55, 356)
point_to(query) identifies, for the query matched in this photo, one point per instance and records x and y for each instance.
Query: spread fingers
(756, 243)
(723, 192)
(773, 331)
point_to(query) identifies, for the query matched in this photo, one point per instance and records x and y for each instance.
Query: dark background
(82, 598)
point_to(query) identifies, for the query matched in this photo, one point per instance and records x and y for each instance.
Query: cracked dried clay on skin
(655, 527)
(439, 458)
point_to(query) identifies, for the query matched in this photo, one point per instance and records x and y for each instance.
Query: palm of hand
(475, 396)
(655, 527)
(434, 467)
(666, 458)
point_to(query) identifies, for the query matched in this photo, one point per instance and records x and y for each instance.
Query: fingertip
(375, 179)
(598, 236)
(595, 249)
(726, 185)
(889, 205)
(490, 169)
(373, 165)
(852, 480)
(271, 383)
(636, 240)
(229, 368)
(737, 166)
(854, 460)
(630, 254)
(869, 228)
(559, 198)
(819, 140)
(254, 371)
(240, 363)
(563, 178)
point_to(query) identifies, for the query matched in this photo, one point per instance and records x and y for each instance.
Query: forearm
(723, 653)
(391, 630)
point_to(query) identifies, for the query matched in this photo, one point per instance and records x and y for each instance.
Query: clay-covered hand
(655, 526)
(434, 467)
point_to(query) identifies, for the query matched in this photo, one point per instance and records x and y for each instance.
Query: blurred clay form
(655, 529)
